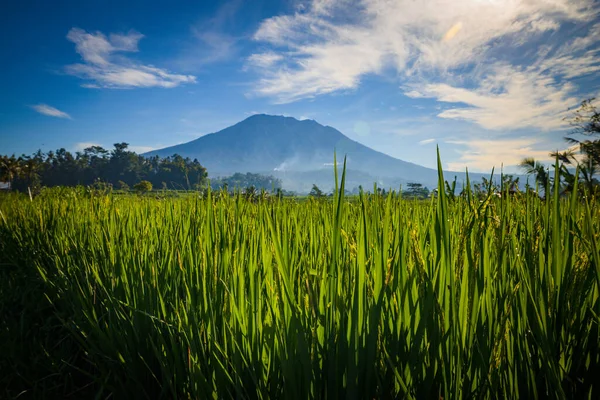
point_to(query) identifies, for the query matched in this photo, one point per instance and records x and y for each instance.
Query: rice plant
(111, 296)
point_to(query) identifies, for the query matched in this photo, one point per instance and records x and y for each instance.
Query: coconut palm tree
(10, 169)
(585, 122)
(586, 164)
(30, 168)
(532, 167)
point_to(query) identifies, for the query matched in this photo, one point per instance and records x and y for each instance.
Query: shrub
(143, 187)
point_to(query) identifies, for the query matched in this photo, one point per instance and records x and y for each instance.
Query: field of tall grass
(372, 297)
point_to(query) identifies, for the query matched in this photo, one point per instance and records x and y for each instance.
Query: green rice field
(125, 296)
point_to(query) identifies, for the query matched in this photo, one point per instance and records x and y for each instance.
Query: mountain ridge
(293, 150)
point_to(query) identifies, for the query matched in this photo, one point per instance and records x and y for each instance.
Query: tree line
(248, 180)
(119, 168)
(94, 165)
(122, 169)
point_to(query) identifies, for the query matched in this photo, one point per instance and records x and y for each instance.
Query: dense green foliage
(316, 192)
(119, 168)
(581, 160)
(143, 186)
(247, 180)
(416, 191)
(375, 297)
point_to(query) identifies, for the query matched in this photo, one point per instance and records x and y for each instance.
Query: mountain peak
(270, 117)
(263, 116)
(277, 144)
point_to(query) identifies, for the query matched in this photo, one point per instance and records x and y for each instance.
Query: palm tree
(589, 163)
(536, 168)
(586, 122)
(510, 184)
(10, 169)
(30, 170)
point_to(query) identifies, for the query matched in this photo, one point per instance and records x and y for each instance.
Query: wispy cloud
(414, 94)
(508, 98)
(105, 67)
(266, 59)
(459, 52)
(50, 111)
(482, 154)
(80, 146)
(211, 40)
(426, 141)
(142, 149)
(214, 46)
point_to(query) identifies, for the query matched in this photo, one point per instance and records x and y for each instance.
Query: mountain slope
(296, 151)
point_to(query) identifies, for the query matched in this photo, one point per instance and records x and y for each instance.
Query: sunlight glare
(452, 31)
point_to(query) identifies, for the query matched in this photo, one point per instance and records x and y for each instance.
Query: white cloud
(426, 141)
(414, 94)
(482, 155)
(105, 68)
(265, 60)
(80, 146)
(508, 98)
(582, 42)
(127, 42)
(50, 111)
(570, 66)
(459, 51)
(142, 149)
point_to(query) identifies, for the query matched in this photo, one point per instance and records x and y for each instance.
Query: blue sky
(489, 81)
